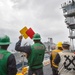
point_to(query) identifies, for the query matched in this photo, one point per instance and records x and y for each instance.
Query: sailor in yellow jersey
(52, 57)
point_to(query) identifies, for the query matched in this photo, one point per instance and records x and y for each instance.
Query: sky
(43, 16)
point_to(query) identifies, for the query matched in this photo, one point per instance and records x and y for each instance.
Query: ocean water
(21, 60)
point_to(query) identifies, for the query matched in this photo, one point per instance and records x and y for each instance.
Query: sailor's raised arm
(18, 47)
(18, 44)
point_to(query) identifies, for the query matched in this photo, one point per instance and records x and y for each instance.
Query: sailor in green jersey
(7, 60)
(35, 54)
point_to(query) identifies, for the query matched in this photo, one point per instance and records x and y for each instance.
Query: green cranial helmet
(36, 36)
(5, 40)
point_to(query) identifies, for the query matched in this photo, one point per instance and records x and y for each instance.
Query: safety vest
(37, 55)
(54, 53)
(4, 54)
(67, 63)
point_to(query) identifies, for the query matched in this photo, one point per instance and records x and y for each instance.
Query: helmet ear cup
(36, 36)
(5, 40)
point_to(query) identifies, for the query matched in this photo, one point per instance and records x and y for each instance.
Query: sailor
(35, 54)
(7, 60)
(66, 60)
(52, 57)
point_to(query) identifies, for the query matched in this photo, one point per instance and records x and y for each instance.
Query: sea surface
(21, 61)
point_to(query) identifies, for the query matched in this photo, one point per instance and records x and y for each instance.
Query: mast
(69, 14)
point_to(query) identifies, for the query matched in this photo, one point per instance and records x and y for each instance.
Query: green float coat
(37, 55)
(4, 54)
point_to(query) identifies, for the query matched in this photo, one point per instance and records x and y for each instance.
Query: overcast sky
(43, 16)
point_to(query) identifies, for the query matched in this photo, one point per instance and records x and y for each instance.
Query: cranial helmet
(66, 43)
(5, 40)
(59, 44)
(36, 36)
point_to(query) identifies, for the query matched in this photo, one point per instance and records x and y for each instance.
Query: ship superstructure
(69, 14)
